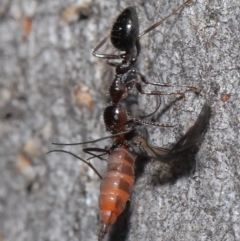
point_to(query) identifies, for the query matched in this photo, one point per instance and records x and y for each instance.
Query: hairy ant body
(116, 183)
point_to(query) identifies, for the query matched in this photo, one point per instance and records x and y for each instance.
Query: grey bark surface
(54, 197)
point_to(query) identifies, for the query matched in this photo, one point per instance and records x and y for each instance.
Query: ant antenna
(93, 141)
(79, 158)
(163, 19)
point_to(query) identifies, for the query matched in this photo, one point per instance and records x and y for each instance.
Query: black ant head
(125, 30)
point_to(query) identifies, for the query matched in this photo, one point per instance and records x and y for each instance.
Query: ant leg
(113, 64)
(138, 48)
(144, 80)
(156, 109)
(153, 92)
(91, 150)
(123, 56)
(163, 19)
(104, 56)
(79, 158)
(120, 56)
(144, 122)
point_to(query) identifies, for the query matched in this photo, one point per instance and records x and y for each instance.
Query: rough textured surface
(46, 67)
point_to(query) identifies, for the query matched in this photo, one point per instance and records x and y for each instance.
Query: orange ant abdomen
(115, 188)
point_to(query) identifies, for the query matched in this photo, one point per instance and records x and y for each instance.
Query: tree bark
(53, 90)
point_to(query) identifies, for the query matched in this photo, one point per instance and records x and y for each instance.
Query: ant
(117, 182)
(125, 37)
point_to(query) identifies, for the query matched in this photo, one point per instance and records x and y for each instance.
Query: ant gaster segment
(117, 182)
